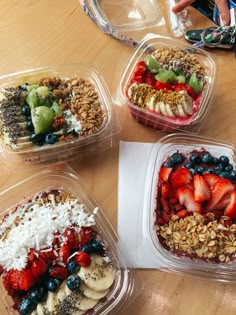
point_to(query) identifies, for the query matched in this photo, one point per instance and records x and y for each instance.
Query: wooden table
(36, 33)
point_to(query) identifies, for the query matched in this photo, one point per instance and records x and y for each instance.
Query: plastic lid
(124, 15)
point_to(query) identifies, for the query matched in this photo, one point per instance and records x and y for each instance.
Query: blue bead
(53, 284)
(176, 158)
(72, 266)
(50, 138)
(224, 160)
(207, 158)
(26, 306)
(73, 282)
(195, 158)
(37, 294)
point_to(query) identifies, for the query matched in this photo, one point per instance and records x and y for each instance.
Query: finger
(181, 5)
(224, 11)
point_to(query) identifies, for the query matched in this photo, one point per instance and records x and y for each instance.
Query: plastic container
(182, 261)
(201, 105)
(122, 16)
(95, 139)
(62, 177)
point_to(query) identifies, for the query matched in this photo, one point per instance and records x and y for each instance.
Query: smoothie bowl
(168, 85)
(190, 206)
(59, 254)
(48, 112)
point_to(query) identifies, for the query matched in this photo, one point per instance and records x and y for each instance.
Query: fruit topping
(168, 82)
(49, 253)
(196, 206)
(54, 110)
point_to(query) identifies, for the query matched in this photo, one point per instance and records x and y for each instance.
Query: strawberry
(76, 239)
(165, 206)
(84, 235)
(230, 210)
(38, 268)
(180, 177)
(149, 79)
(162, 86)
(164, 173)
(202, 190)
(219, 190)
(186, 198)
(211, 179)
(64, 252)
(140, 68)
(47, 255)
(31, 255)
(69, 235)
(27, 280)
(82, 259)
(59, 272)
(182, 213)
(137, 79)
(165, 189)
(14, 277)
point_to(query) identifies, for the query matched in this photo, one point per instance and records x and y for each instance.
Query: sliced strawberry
(64, 252)
(202, 190)
(69, 235)
(182, 213)
(31, 255)
(180, 177)
(140, 68)
(186, 198)
(14, 278)
(149, 79)
(164, 173)
(219, 190)
(230, 210)
(59, 272)
(56, 239)
(38, 268)
(47, 255)
(211, 179)
(165, 190)
(27, 280)
(85, 235)
(165, 206)
(82, 259)
(137, 79)
(191, 91)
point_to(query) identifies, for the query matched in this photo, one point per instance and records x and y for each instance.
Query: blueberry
(53, 284)
(25, 110)
(233, 176)
(215, 160)
(24, 86)
(188, 165)
(207, 158)
(50, 138)
(224, 175)
(37, 139)
(37, 294)
(219, 168)
(30, 125)
(72, 266)
(209, 171)
(87, 248)
(224, 160)
(176, 158)
(26, 306)
(168, 164)
(200, 169)
(73, 282)
(192, 171)
(229, 168)
(195, 158)
(97, 247)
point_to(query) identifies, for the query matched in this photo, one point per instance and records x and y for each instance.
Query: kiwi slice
(42, 119)
(195, 83)
(39, 96)
(166, 76)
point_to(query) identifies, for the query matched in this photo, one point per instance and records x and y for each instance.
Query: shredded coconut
(35, 227)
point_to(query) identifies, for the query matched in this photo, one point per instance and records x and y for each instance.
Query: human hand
(221, 4)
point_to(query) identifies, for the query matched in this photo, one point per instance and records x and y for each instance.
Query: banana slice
(99, 276)
(163, 109)
(85, 304)
(169, 110)
(33, 313)
(62, 292)
(96, 295)
(181, 110)
(79, 312)
(51, 302)
(40, 309)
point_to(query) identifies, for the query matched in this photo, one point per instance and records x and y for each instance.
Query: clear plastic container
(95, 139)
(150, 117)
(62, 177)
(122, 16)
(179, 260)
